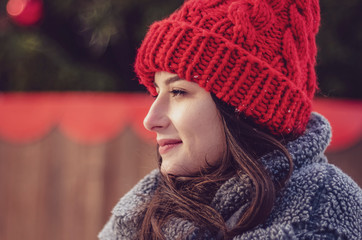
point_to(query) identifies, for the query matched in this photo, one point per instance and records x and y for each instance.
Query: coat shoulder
(320, 198)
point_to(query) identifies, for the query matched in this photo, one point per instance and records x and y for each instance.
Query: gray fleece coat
(319, 201)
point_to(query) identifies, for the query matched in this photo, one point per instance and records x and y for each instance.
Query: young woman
(241, 156)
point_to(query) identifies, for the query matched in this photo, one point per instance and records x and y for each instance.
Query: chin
(167, 170)
(174, 170)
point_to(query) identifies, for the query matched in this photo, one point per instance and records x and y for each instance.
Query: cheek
(213, 141)
(190, 123)
(185, 118)
(200, 128)
(204, 135)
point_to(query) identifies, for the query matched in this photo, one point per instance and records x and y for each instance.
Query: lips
(165, 145)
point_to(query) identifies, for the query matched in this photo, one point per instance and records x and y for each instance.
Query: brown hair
(189, 198)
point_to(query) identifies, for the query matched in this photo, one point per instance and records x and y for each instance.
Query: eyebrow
(169, 80)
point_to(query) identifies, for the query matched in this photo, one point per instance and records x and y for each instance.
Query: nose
(156, 117)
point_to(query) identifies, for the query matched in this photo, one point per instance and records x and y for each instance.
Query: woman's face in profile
(188, 126)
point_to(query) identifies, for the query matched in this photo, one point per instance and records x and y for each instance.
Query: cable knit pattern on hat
(257, 55)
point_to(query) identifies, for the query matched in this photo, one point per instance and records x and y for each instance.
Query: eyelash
(177, 92)
(174, 92)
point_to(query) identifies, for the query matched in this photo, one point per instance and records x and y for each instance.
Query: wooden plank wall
(61, 190)
(58, 189)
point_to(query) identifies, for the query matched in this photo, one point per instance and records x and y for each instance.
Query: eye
(177, 92)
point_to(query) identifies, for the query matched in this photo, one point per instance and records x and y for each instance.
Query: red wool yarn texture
(256, 55)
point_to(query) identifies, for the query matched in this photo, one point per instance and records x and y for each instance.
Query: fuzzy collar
(234, 195)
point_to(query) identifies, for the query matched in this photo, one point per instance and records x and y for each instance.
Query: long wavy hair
(189, 198)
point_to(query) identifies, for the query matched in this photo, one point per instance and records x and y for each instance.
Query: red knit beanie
(257, 55)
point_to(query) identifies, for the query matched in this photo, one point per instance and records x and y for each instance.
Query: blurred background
(71, 109)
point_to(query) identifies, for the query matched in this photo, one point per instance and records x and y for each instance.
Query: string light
(25, 12)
